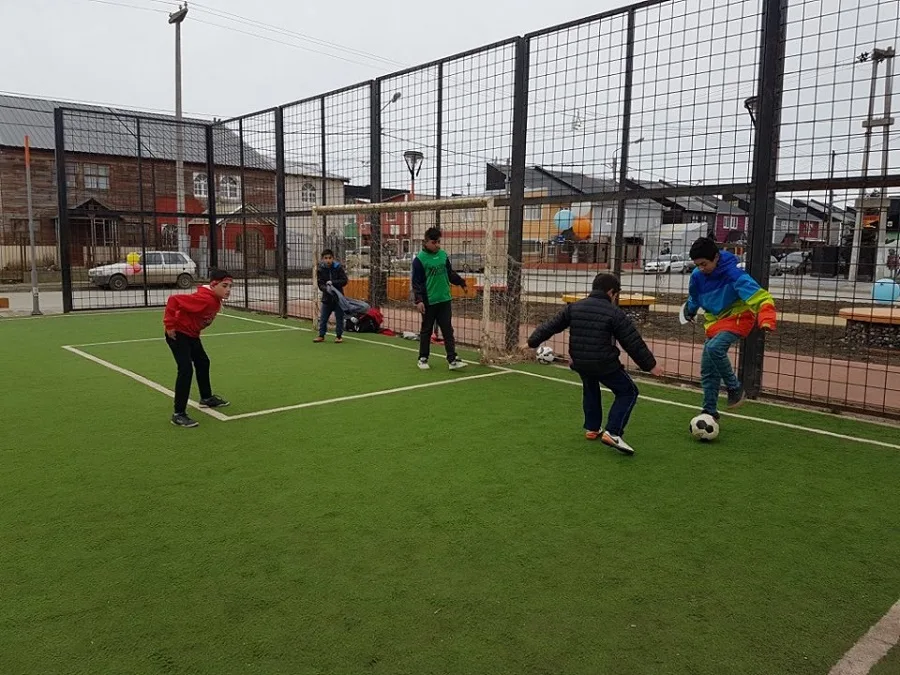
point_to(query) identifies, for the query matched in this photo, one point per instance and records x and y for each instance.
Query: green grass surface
(465, 528)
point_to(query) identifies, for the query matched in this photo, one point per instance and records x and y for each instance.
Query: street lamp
(752, 105)
(177, 18)
(413, 159)
(394, 99)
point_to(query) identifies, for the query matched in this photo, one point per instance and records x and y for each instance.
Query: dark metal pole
(439, 149)
(377, 280)
(211, 198)
(765, 173)
(62, 197)
(140, 170)
(244, 218)
(324, 159)
(619, 248)
(281, 208)
(517, 193)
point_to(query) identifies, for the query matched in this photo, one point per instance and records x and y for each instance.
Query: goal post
(473, 234)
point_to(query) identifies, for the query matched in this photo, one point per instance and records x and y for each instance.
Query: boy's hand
(421, 307)
(171, 334)
(657, 371)
(328, 283)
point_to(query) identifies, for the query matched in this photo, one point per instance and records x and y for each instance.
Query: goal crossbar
(399, 207)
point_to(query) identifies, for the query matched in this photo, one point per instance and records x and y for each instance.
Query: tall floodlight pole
(177, 18)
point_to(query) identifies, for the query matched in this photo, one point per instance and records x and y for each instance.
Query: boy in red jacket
(185, 317)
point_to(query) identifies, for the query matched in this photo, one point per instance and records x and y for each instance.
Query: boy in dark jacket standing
(432, 276)
(330, 273)
(185, 317)
(595, 325)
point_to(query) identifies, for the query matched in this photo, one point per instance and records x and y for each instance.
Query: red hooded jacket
(190, 314)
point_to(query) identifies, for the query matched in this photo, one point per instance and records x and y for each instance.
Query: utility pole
(177, 18)
(35, 297)
(877, 57)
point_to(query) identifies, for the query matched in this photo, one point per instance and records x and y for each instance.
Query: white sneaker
(616, 442)
(458, 365)
(423, 364)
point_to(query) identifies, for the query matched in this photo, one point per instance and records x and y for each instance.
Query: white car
(157, 268)
(774, 268)
(667, 264)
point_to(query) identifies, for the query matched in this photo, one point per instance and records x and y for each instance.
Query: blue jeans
(715, 368)
(622, 387)
(338, 319)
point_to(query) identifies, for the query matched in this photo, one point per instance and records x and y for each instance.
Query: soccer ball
(704, 427)
(545, 355)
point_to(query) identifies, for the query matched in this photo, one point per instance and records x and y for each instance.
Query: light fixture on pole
(177, 18)
(752, 105)
(413, 159)
(394, 99)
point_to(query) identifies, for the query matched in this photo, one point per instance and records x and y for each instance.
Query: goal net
(487, 316)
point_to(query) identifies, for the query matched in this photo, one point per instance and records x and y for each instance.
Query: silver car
(158, 268)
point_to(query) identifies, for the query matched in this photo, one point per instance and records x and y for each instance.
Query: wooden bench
(872, 326)
(635, 305)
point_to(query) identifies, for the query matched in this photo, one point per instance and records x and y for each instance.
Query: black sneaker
(736, 397)
(182, 420)
(214, 402)
(714, 415)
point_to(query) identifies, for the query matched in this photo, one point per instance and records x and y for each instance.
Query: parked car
(360, 259)
(157, 268)
(403, 263)
(794, 263)
(774, 266)
(467, 262)
(668, 264)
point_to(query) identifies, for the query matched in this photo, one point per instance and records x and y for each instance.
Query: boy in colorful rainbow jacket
(733, 303)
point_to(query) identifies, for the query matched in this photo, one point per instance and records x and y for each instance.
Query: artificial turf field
(380, 526)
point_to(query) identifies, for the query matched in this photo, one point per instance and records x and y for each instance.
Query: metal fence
(609, 143)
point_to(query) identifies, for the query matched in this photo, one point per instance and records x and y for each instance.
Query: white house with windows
(304, 188)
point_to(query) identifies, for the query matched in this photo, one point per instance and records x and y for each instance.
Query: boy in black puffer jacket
(595, 325)
(330, 273)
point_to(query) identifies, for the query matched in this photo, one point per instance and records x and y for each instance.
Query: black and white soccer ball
(545, 355)
(704, 427)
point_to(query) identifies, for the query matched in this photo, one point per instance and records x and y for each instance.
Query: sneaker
(338, 340)
(214, 402)
(456, 364)
(182, 420)
(423, 364)
(592, 435)
(616, 442)
(714, 415)
(736, 397)
(319, 339)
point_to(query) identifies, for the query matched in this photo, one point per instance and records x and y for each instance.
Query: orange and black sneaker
(338, 340)
(592, 435)
(319, 339)
(616, 442)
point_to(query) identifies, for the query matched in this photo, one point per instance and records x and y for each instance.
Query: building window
(96, 177)
(533, 212)
(731, 222)
(201, 185)
(230, 187)
(308, 194)
(71, 175)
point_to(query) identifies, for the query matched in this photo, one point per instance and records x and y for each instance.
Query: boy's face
(328, 259)
(706, 266)
(432, 245)
(222, 289)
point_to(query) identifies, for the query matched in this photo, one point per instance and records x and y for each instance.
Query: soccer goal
(474, 235)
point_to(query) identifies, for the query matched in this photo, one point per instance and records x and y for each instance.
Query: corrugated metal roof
(98, 130)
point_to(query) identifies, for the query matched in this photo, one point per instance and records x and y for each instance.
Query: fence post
(323, 152)
(62, 197)
(140, 169)
(281, 211)
(377, 280)
(765, 173)
(517, 193)
(619, 244)
(438, 151)
(211, 198)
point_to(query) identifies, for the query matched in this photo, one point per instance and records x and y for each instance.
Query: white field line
(871, 647)
(748, 418)
(143, 380)
(160, 339)
(356, 397)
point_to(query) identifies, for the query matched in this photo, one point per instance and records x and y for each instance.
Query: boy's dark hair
(606, 283)
(432, 234)
(704, 248)
(219, 275)
(327, 251)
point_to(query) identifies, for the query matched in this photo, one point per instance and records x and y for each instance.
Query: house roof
(99, 130)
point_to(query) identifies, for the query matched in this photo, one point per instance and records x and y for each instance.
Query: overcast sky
(86, 50)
